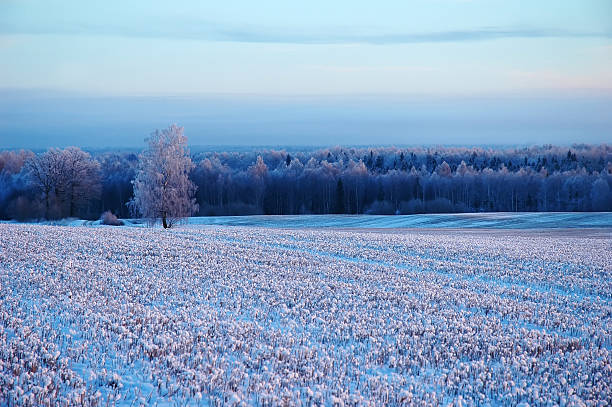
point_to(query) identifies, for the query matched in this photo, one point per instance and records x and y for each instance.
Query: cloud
(375, 68)
(551, 79)
(398, 38)
(207, 31)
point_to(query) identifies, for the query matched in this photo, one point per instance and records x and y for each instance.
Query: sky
(98, 74)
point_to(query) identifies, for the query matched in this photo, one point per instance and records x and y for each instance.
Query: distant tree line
(73, 183)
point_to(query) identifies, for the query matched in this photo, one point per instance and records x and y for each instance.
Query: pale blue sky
(546, 56)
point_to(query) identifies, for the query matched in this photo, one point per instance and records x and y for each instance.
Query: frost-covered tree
(162, 188)
(45, 171)
(258, 173)
(118, 170)
(81, 179)
(601, 197)
(68, 180)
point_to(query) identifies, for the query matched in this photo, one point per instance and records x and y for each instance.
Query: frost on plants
(253, 316)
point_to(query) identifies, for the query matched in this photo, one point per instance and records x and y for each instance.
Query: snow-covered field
(494, 220)
(216, 315)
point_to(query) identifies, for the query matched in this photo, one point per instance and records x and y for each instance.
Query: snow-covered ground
(496, 220)
(216, 315)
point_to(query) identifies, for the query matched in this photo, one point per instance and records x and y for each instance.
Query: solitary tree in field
(162, 188)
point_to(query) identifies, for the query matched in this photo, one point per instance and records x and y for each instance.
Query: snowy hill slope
(493, 220)
(464, 220)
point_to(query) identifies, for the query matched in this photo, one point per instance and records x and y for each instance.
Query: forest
(345, 180)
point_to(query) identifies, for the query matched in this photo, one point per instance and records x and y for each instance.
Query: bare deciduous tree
(162, 188)
(45, 171)
(69, 176)
(81, 179)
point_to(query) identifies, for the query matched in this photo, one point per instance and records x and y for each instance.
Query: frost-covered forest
(354, 180)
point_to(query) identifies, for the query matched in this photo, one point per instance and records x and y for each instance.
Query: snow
(495, 220)
(203, 315)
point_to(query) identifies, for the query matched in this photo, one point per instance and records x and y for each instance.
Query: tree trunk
(71, 201)
(47, 192)
(164, 223)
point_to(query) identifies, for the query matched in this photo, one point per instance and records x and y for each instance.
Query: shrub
(411, 207)
(440, 205)
(381, 208)
(108, 218)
